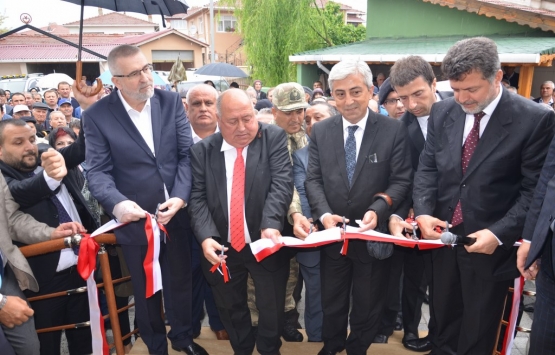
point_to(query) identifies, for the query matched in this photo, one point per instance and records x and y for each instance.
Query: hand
(171, 206)
(397, 227)
(67, 229)
(15, 312)
(331, 220)
(301, 225)
(54, 164)
(270, 233)
(211, 250)
(128, 211)
(427, 225)
(486, 243)
(86, 100)
(411, 213)
(369, 221)
(521, 256)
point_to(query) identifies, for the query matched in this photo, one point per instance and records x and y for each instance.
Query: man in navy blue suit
(138, 142)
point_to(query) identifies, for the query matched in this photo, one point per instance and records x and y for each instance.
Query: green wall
(415, 18)
(307, 74)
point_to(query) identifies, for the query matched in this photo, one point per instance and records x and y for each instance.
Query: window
(227, 24)
(201, 25)
(179, 24)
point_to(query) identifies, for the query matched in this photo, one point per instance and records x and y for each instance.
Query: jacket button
(450, 208)
(464, 185)
(349, 202)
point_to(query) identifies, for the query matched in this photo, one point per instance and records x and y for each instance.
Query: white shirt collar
(127, 106)
(493, 105)
(361, 124)
(196, 137)
(226, 146)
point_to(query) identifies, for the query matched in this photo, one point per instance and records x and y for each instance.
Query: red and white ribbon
(510, 330)
(86, 266)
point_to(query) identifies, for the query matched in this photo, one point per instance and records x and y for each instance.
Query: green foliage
(2, 19)
(273, 30)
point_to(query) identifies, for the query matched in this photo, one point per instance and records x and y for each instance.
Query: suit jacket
(268, 187)
(121, 166)
(19, 227)
(542, 211)
(496, 190)
(382, 166)
(34, 197)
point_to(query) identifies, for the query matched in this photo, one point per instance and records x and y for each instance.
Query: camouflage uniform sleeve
(295, 206)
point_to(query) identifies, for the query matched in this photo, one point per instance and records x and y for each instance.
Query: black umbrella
(221, 69)
(147, 7)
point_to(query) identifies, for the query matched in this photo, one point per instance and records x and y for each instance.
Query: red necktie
(236, 209)
(467, 151)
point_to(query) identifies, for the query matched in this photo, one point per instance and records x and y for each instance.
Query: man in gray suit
(16, 317)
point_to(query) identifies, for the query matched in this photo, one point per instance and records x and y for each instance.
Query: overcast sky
(61, 12)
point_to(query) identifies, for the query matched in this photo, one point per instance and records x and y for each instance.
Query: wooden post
(111, 300)
(526, 76)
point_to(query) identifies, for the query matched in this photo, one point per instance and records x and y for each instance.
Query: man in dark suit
(358, 168)
(245, 161)
(538, 248)
(481, 161)
(51, 197)
(546, 93)
(138, 142)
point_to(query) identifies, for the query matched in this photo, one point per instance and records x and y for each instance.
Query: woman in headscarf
(257, 85)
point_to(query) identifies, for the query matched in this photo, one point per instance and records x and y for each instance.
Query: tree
(2, 19)
(273, 30)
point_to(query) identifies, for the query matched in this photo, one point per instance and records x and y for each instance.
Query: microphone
(449, 238)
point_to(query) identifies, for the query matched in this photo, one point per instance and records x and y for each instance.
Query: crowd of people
(221, 170)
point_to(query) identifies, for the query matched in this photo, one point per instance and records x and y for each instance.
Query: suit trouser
(202, 294)
(313, 314)
(175, 261)
(466, 307)
(365, 281)
(231, 300)
(23, 338)
(61, 311)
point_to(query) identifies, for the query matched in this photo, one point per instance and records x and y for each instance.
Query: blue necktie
(351, 153)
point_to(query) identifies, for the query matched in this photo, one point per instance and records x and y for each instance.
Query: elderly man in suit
(50, 197)
(358, 167)
(537, 249)
(478, 170)
(16, 317)
(242, 187)
(138, 142)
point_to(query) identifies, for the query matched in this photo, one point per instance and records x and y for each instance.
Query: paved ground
(520, 343)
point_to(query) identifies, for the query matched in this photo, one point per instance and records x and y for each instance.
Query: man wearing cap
(20, 111)
(64, 90)
(64, 105)
(32, 122)
(40, 110)
(390, 100)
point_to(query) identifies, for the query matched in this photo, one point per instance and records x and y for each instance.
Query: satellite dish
(193, 29)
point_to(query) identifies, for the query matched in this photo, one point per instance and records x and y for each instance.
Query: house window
(179, 24)
(227, 24)
(201, 25)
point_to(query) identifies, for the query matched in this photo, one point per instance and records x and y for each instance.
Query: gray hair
(122, 51)
(407, 69)
(331, 110)
(349, 67)
(548, 82)
(224, 94)
(251, 92)
(478, 53)
(201, 87)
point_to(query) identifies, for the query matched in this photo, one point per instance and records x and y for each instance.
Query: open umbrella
(147, 7)
(107, 77)
(221, 69)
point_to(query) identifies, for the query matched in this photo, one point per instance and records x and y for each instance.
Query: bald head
(236, 118)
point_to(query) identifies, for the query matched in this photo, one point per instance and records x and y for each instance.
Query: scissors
(156, 212)
(344, 225)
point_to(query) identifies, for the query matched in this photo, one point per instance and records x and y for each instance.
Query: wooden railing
(108, 285)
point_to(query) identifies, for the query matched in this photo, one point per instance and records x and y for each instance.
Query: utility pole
(212, 30)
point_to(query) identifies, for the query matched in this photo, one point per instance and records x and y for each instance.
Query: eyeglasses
(135, 74)
(391, 101)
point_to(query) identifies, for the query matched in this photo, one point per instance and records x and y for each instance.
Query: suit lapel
(415, 133)
(367, 141)
(493, 135)
(218, 171)
(454, 127)
(156, 116)
(253, 156)
(122, 117)
(335, 136)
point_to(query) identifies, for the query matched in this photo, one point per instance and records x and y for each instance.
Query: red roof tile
(50, 53)
(113, 18)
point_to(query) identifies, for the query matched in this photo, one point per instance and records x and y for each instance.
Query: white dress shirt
(423, 121)
(67, 256)
(143, 121)
(230, 154)
(359, 133)
(484, 121)
(196, 137)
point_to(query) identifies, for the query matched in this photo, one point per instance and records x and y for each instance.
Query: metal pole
(81, 32)
(212, 30)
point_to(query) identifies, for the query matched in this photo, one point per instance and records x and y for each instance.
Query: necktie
(351, 153)
(467, 151)
(236, 209)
